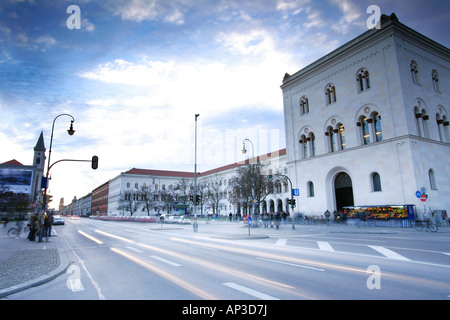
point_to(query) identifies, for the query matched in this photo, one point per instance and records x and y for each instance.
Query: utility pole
(195, 178)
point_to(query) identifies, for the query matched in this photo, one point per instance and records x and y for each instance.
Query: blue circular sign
(418, 194)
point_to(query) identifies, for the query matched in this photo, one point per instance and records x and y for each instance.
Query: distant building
(26, 179)
(368, 124)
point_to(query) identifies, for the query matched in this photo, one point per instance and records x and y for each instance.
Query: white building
(169, 198)
(368, 124)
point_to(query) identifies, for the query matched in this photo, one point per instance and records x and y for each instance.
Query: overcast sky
(137, 71)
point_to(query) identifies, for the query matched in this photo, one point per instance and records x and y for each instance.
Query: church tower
(39, 163)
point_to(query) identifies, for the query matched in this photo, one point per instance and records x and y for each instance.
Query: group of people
(273, 219)
(40, 225)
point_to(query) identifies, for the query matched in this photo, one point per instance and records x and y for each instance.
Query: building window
(376, 182)
(414, 72)
(341, 136)
(304, 105)
(377, 126)
(435, 78)
(308, 145)
(363, 80)
(330, 94)
(310, 188)
(432, 179)
(128, 185)
(365, 130)
(136, 185)
(329, 134)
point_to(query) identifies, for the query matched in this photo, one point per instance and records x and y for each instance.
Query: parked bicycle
(420, 224)
(16, 231)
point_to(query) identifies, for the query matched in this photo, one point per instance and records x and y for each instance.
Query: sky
(133, 74)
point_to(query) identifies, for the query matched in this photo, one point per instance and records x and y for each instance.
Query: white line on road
(325, 246)
(166, 261)
(134, 249)
(281, 242)
(389, 253)
(291, 264)
(249, 291)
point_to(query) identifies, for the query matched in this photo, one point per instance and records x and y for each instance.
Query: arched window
(414, 72)
(432, 179)
(128, 185)
(136, 185)
(365, 130)
(303, 147)
(310, 188)
(330, 139)
(330, 94)
(377, 126)
(312, 138)
(304, 105)
(435, 79)
(376, 182)
(362, 80)
(341, 133)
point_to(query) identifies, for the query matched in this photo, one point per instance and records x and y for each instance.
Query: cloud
(141, 10)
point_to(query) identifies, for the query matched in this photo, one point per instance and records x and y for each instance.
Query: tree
(148, 199)
(129, 201)
(250, 184)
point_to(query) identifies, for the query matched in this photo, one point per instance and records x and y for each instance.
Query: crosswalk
(365, 249)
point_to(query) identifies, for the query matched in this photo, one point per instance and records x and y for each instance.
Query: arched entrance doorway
(343, 190)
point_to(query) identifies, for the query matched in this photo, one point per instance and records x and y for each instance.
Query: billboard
(16, 180)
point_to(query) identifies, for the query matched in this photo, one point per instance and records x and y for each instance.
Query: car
(58, 220)
(184, 220)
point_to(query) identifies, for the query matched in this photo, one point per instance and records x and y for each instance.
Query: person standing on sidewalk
(34, 226)
(48, 221)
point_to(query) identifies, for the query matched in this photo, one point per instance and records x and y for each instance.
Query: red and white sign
(423, 198)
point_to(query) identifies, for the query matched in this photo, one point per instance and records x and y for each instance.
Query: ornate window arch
(363, 80)
(414, 72)
(304, 105)
(330, 94)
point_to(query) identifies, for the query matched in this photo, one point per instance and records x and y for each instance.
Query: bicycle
(420, 224)
(16, 231)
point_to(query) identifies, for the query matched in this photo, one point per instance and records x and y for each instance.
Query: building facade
(170, 191)
(368, 124)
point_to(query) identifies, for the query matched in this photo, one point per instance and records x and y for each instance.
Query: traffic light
(94, 162)
(293, 203)
(198, 199)
(270, 176)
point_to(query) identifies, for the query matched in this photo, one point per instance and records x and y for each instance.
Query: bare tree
(130, 201)
(250, 185)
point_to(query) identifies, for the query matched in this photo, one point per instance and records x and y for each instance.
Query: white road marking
(325, 246)
(281, 242)
(291, 264)
(134, 249)
(249, 291)
(389, 253)
(166, 261)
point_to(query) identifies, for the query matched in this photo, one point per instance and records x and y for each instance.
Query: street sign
(423, 198)
(295, 192)
(418, 194)
(249, 221)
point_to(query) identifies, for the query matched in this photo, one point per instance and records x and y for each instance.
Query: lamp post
(195, 177)
(244, 151)
(71, 131)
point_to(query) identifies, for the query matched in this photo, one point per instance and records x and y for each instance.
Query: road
(130, 260)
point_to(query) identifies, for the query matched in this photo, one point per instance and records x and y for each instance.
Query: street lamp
(71, 131)
(244, 151)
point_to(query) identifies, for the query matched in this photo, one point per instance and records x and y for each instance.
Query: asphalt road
(129, 260)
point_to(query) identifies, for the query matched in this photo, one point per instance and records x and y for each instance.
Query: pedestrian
(277, 220)
(40, 231)
(48, 221)
(327, 215)
(34, 226)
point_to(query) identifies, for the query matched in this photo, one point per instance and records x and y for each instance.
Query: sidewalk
(25, 264)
